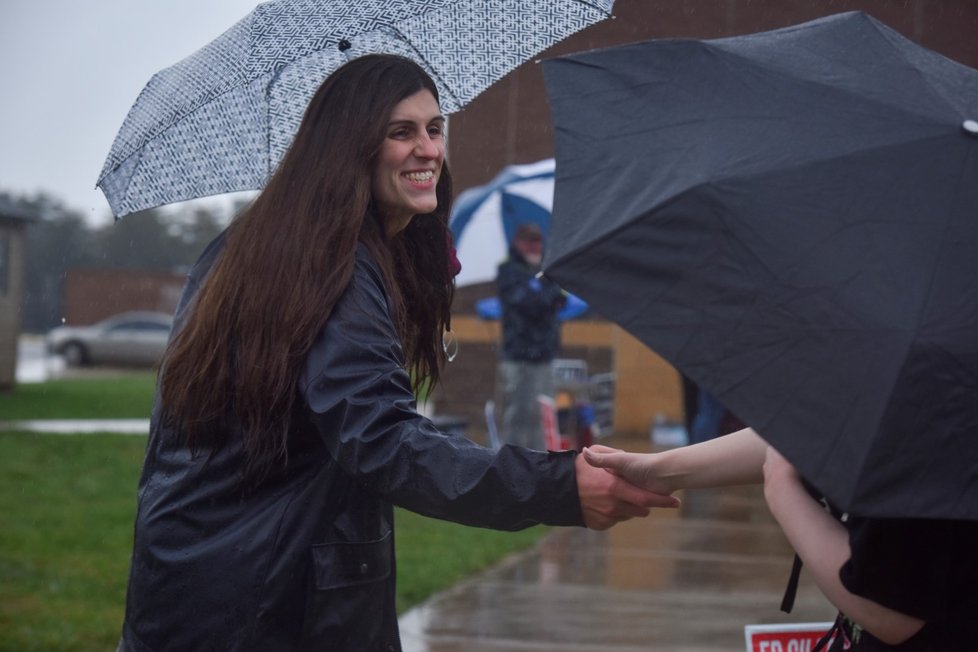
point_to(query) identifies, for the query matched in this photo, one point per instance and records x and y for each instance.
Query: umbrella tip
(971, 126)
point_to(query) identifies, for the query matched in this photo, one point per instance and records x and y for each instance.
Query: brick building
(92, 294)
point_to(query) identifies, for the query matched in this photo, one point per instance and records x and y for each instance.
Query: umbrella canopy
(484, 218)
(791, 219)
(220, 120)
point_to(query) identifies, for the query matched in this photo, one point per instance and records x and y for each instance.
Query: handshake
(633, 483)
(611, 492)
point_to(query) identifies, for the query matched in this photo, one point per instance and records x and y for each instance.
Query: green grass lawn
(67, 505)
(124, 397)
(66, 514)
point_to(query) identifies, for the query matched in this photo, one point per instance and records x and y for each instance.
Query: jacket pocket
(338, 565)
(351, 600)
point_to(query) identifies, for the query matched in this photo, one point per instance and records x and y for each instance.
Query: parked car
(127, 339)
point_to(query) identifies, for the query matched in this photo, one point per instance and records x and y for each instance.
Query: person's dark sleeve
(361, 401)
(906, 565)
(530, 296)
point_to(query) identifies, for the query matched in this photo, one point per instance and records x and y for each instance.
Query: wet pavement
(34, 364)
(684, 580)
(79, 426)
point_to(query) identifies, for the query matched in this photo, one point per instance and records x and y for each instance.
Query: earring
(449, 344)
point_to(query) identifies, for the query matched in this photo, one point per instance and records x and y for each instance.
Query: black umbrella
(791, 219)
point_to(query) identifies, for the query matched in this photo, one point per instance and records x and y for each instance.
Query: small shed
(13, 225)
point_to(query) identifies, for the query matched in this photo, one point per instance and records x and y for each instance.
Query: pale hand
(607, 499)
(637, 468)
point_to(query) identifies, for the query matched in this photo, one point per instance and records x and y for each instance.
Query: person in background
(899, 584)
(285, 427)
(530, 338)
(690, 395)
(705, 416)
(708, 420)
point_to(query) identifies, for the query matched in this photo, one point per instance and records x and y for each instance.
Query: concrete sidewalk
(79, 426)
(684, 580)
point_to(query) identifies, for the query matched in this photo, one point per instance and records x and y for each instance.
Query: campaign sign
(788, 637)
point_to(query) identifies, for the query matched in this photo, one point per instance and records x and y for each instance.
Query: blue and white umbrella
(220, 120)
(484, 219)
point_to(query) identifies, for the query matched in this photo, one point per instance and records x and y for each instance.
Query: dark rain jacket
(530, 329)
(306, 562)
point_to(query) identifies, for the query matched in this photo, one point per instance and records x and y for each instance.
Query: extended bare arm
(737, 458)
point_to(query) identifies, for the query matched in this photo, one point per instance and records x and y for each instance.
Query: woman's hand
(607, 499)
(637, 468)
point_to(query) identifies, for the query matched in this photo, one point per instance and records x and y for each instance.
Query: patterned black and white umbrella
(220, 120)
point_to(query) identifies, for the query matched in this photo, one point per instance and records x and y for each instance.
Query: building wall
(94, 294)
(510, 123)
(11, 296)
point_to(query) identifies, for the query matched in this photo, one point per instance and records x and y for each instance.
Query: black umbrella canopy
(791, 219)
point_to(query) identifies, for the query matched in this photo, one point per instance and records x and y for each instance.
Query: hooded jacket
(306, 560)
(530, 328)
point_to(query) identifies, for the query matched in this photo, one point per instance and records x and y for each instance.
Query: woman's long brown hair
(233, 368)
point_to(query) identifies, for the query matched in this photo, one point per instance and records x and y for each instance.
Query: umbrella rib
(595, 7)
(816, 160)
(919, 318)
(888, 34)
(195, 106)
(241, 81)
(420, 57)
(902, 109)
(733, 176)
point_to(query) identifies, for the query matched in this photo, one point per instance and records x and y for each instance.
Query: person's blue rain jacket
(530, 328)
(306, 562)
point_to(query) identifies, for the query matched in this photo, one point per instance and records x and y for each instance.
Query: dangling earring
(449, 344)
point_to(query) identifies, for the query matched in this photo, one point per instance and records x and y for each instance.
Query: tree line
(59, 238)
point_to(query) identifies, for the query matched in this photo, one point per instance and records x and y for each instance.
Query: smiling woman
(286, 428)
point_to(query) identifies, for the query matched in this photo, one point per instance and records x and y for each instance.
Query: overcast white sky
(70, 70)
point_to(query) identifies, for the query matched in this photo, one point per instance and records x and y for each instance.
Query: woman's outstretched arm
(734, 459)
(822, 542)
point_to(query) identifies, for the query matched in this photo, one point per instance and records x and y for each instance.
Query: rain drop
(971, 126)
